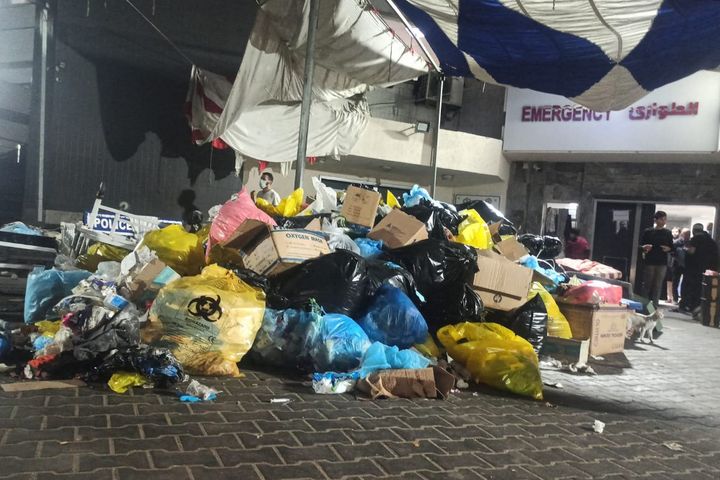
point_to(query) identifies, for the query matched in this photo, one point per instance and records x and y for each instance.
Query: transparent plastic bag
(474, 231)
(495, 356)
(557, 324)
(208, 321)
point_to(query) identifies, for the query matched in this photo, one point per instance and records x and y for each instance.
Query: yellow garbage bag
(180, 250)
(121, 381)
(391, 201)
(495, 356)
(474, 231)
(289, 206)
(208, 321)
(558, 326)
(47, 328)
(100, 252)
(429, 348)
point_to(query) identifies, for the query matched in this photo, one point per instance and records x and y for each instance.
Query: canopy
(259, 114)
(604, 54)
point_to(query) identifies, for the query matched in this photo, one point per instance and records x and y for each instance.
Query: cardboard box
(511, 249)
(431, 382)
(568, 349)
(604, 325)
(269, 252)
(501, 284)
(360, 206)
(399, 229)
(149, 280)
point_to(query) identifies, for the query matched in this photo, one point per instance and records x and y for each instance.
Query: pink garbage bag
(232, 214)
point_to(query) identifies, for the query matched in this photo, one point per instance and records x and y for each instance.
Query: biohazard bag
(495, 356)
(208, 321)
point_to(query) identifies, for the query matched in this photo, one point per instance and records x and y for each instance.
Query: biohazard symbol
(207, 308)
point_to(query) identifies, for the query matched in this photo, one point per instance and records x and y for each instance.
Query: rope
(167, 39)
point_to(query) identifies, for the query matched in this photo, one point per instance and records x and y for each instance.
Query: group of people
(677, 259)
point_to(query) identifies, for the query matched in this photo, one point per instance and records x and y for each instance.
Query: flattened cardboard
(360, 206)
(511, 249)
(41, 385)
(409, 383)
(398, 229)
(501, 284)
(269, 252)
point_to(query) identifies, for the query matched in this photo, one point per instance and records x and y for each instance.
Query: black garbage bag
(486, 210)
(506, 229)
(338, 282)
(381, 273)
(437, 217)
(530, 322)
(301, 221)
(533, 243)
(157, 364)
(552, 248)
(120, 330)
(442, 271)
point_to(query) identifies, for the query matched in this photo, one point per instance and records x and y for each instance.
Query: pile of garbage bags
(308, 285)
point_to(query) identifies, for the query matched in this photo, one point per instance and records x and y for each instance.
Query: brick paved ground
(666, 398)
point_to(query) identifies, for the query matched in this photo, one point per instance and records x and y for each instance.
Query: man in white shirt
(267, 193)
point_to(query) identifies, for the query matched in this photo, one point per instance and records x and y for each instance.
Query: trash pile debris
(394, 299)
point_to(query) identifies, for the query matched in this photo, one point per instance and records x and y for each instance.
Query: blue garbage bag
(45, 288)
(382, 357)
(369, 248)
(532, 263)
(5, 345)
(393, 319)
(336, 343)
(414, 196)
(281, 338)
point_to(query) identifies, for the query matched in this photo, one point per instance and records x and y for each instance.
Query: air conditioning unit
(452, 91)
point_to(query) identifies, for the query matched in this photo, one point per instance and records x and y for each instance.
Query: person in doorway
(576, 246)
(669, 293)
(678, 262)
(655, 243)
(702, 254)
(266, 192)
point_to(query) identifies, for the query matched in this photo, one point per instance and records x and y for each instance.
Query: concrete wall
(533, 184)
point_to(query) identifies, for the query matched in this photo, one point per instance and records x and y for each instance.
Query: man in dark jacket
(655, 244)
(702, 254)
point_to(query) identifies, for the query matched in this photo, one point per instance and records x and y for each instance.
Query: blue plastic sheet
(382, 357)
(532, 263)
(414, 196)
(369, 248)
(336, 343)
(19, 227)
(47, 287)
(393, 319)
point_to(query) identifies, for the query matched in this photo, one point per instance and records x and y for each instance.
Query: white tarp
(259, 116)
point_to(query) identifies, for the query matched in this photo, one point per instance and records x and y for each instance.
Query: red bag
(594, 291)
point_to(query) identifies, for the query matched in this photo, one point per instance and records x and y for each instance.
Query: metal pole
(44, 26)
(307, 91)
(410, 30)
(436, 132)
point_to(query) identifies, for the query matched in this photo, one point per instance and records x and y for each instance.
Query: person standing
(702, 254)
(266, 192)
(669, 292)
(655, 243)
(678, 261)
(576, 246)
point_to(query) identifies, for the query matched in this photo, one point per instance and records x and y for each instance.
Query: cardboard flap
(399, 229)
(511, 249)
(499, 275)
(246, 234)
(360, 206)
(444, 382)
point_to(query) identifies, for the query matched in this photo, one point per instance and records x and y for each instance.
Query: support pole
(307, 92)
(436, 132)
(44, 27)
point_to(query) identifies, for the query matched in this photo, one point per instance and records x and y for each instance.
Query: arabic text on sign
(663, 111)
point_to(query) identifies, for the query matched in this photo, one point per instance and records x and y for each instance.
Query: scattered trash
(597, 358)
(280, 400)
(203, 392)
(327, 383)
(121, 382)
(598, 426)
(557, 385)
(462, 384)
(674, 446)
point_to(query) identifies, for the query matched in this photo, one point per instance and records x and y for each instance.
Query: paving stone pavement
(669, 397)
